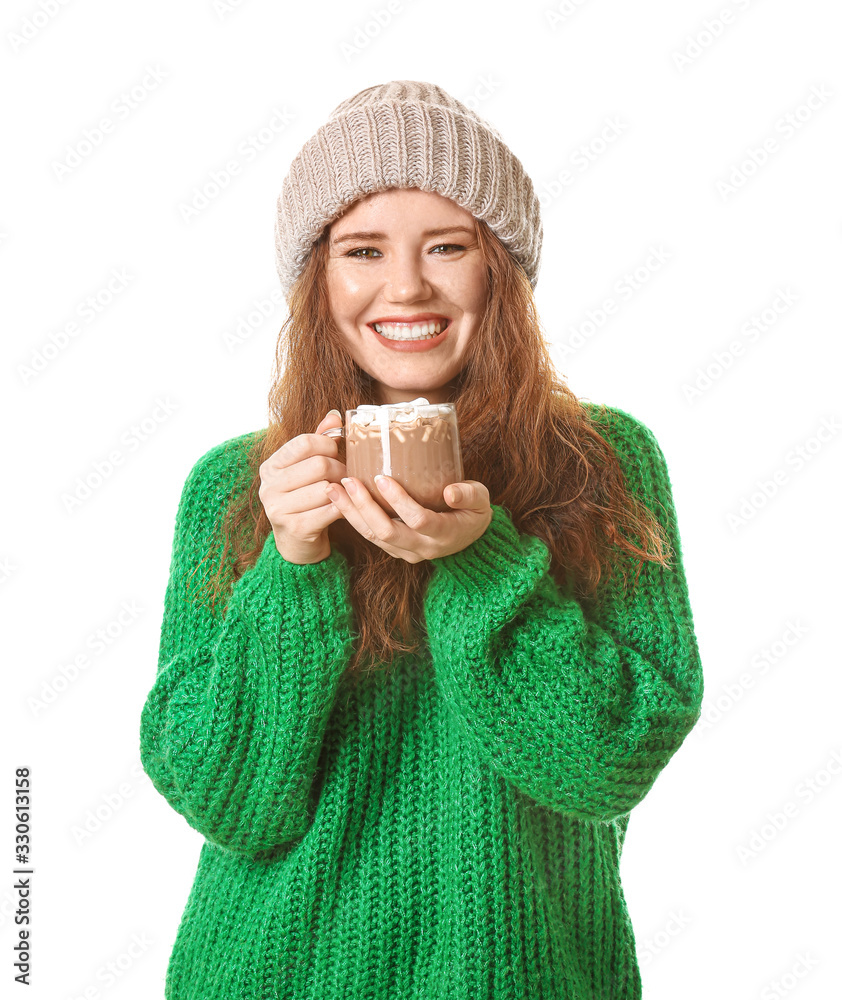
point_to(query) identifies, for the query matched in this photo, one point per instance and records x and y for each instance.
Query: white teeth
(406, 331)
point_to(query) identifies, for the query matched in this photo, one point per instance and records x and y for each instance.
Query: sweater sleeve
(580, 711)
(232, 728)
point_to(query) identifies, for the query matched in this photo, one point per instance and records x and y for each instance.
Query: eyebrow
(371, 235)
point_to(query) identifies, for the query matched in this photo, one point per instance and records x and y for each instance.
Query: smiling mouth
(410, 331)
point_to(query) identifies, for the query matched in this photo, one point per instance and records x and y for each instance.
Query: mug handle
(334, 432)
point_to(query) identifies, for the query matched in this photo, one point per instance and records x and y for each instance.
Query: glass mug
(416, 443)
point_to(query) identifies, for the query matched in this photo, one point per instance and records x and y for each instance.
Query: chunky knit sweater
(451, 829)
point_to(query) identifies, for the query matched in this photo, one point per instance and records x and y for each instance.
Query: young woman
(412, 745)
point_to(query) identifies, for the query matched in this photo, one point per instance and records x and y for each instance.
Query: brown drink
(416, 443)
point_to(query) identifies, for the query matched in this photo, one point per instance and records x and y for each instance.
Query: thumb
(329, 420)
(470, 495)
(455, 495)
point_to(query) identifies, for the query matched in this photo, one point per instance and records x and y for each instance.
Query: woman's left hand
(423, 534)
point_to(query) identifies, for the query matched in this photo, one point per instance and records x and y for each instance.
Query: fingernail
(329, 412)
(455, 494)
(349, 486)
(383, 484)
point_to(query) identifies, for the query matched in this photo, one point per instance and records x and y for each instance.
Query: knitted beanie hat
(406, 134)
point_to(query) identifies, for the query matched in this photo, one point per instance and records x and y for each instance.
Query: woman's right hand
(292, 493)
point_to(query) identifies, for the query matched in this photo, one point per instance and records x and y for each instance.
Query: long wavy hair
(524, 434)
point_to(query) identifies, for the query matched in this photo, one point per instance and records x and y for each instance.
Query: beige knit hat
(406, 134)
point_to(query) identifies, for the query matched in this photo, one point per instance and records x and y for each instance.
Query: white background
(723, 902)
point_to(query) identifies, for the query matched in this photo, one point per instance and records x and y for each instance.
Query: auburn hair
(524, 434)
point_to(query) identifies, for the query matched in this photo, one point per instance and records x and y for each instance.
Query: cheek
(346, 291)
(471, 292)
(341, 284)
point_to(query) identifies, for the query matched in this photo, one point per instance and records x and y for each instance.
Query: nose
(405, 279)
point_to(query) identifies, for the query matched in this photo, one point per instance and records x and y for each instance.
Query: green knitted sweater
(452, 829)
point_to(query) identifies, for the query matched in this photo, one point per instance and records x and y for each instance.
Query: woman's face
(404, 258)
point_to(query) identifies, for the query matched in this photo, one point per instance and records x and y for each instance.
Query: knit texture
(450, 830)
(405, 134)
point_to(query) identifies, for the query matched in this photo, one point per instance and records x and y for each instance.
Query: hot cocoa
(416, 443)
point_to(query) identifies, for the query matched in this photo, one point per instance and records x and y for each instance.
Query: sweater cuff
(309, 596)
(502, 559)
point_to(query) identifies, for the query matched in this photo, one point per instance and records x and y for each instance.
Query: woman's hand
(291, 482)
(424, 534)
